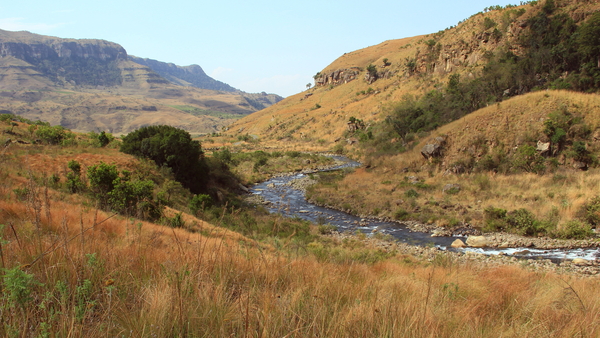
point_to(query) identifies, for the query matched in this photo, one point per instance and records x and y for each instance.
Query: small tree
(51, 135)
(200, 202)
(74, 183)
(103, 139)
(372, 70)
(102, 179)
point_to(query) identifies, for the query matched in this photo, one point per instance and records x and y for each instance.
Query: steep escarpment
(75, 62)
(195, 76)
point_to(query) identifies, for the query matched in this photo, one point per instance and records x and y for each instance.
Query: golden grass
(504, 126)
(105, 275)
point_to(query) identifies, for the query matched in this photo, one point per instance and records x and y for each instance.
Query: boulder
(580, 261)
(451, 188)
(580, 165)
(477, 241)
(441, 233)
(458, 244)
(543, 147)
(243, 188)
(431, 150)
(412, 179)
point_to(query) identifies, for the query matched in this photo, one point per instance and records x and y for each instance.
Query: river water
(291, 202)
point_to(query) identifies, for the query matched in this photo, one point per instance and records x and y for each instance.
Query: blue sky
(255, 46)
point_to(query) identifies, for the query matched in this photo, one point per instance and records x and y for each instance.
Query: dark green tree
(103, 139)
(173, 148)
(102, 179)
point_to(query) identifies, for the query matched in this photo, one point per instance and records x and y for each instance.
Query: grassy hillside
(481, 155)
(495, 89)
(69, 268)
(492, 56)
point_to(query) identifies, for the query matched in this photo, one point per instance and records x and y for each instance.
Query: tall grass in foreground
(70, 272)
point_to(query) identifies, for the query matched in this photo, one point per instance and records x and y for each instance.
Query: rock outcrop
(337, 77)
(433, 149)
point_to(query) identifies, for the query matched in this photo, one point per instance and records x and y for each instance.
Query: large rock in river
(477, 241)
(458, 243)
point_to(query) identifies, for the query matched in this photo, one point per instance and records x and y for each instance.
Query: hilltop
(493, 55)
(93, 85)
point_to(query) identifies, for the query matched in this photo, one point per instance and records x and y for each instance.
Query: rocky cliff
(66, 61)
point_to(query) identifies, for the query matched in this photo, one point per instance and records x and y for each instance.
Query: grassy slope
(296, 122)
(85, 272)
(381, 189)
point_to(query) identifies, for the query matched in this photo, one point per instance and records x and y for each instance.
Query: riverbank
(496, 244)
(433, 255)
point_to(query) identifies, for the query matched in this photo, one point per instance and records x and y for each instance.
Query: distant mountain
(184, 76)
(94, 85)
(193, 75)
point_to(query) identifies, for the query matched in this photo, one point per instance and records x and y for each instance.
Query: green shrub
(326, 229)
(590, 212)
(18, 286)
(412, 193)
(104, 139)
(51, 135)
(74, 182)
(401, 215)
(495, 219)
(574, 229)
(176, 221)
(488, 23)
(102, 179)
(200, 202)
(171, 147)
(528, 159)
(523, 222)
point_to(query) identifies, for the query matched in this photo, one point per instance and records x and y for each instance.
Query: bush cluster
(116, 191)
(524, 222)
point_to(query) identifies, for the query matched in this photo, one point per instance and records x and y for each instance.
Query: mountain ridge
(39, 74)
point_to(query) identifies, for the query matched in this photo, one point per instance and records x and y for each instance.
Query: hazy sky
(255, 46)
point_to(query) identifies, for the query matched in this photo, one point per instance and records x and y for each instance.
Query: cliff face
(31, 47)
(56, 49)
(66, 61)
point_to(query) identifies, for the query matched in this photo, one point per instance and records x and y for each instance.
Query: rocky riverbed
(496, 246)
(579, 267)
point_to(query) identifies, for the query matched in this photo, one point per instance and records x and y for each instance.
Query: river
(284, 199)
